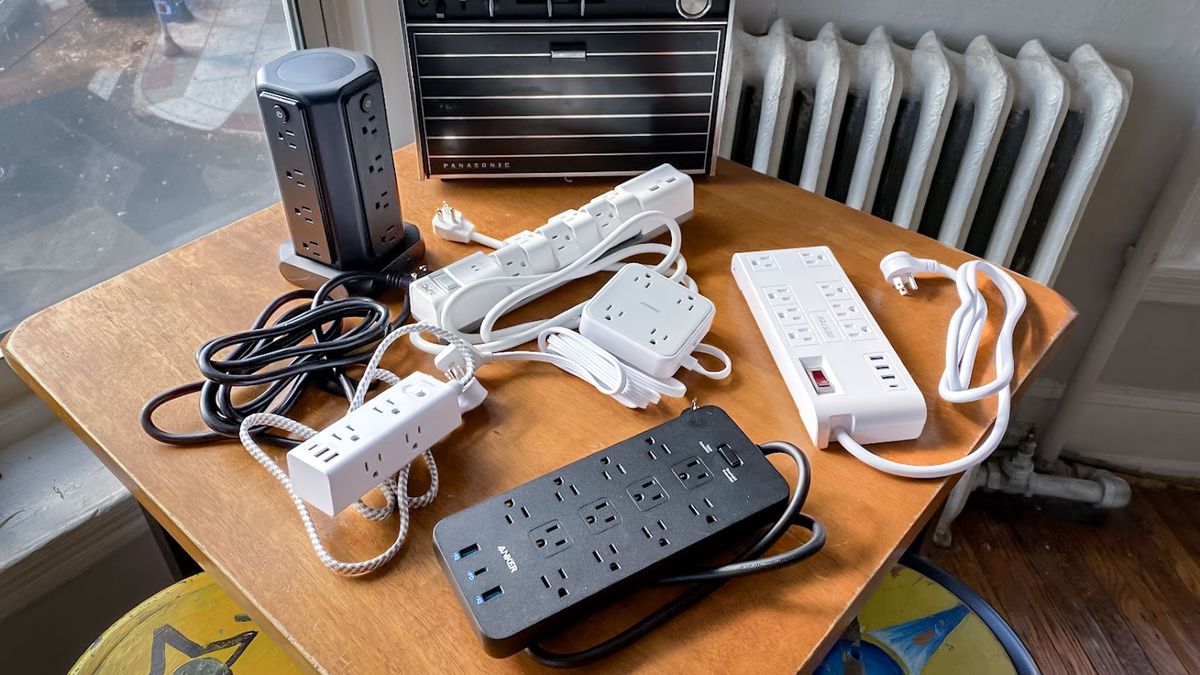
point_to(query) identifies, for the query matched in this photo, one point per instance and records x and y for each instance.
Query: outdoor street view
(116, 146)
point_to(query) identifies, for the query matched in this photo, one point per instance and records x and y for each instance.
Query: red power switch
(819, 379)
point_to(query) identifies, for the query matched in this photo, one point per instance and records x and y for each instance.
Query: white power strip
(564, 239)
(346, 460)
(840, 368)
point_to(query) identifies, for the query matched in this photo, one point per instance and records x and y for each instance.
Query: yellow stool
(189, 628)
(923, 621)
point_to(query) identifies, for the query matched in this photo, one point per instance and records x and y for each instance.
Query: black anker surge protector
(582, 535)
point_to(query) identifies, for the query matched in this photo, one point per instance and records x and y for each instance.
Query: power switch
(729, 455)
(820, 380)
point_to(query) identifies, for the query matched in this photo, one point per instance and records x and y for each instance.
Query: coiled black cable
(706, 581)
(291, 345)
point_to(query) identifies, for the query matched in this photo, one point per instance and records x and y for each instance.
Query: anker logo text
(476, 165)
(508, 559)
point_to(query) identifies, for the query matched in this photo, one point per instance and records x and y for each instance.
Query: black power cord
(300, 338)
(704, 582)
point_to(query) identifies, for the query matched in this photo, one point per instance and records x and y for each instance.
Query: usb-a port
(490, 594)
(468, 551)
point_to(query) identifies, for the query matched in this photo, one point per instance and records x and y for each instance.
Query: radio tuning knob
(693, 9)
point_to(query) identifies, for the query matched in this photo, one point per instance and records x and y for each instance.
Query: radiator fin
(994, 154)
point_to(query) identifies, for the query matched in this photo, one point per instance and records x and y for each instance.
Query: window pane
(114, 148)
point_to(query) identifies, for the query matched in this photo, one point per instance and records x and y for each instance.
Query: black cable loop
(704, 582)
(290, 346)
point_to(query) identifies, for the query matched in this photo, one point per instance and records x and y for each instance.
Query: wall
(1156, 41)
(374, 27)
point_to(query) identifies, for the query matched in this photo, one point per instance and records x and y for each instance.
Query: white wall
(1157, 40)
(374, 27)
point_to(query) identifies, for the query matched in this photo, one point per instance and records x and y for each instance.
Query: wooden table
(96, 357)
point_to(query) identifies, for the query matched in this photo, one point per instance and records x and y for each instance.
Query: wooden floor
(1089, 591)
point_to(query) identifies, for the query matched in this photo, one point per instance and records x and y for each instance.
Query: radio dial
(693, 9)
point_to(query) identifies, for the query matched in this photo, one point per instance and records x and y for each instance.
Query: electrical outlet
(599, 515)
(647, 320)
(779, 295)
(647, 493)
(292, 150)
(799, 335)
(608, 555)
(858, 329)
(605, 214)
(513, 260)
(814, 257)
(764, 262)
(789, 315)
(529, 588)
(834, 290)
(351, 456)
(844, 309)
(371, 146)
(692, 472)
(550, 539)
(704, 509)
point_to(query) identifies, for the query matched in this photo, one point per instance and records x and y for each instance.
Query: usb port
(490, 594)
(889, 377)
(465, 552)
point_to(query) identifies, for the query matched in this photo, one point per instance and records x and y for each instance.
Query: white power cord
(962, 344)
(450, 224)
(394, 488)
(558, 343)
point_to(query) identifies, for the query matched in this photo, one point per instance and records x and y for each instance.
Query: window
(125, 132)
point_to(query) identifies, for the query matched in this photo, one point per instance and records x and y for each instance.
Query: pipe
(1168, 212)
(1089, 485)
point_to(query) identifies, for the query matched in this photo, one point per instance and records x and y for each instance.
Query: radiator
(988, 153)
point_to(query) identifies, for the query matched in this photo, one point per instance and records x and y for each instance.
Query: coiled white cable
(591, 363)
(394, 488)
(962, 344)
(565, 348)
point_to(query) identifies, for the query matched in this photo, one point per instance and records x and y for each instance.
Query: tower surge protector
(327, 129)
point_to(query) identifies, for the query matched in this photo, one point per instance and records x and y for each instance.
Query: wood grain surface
(98, 356)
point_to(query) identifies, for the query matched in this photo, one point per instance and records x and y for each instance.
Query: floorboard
(1089, 590)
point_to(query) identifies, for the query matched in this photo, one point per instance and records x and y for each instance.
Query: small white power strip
(646, 320)
(840, 368)
(347, 459)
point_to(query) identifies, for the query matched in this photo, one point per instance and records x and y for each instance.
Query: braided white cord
(394, 488)
(452, 338)
(338, 566)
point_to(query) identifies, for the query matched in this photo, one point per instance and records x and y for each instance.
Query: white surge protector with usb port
(838, 365)
(647, 320)
(343, 462)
